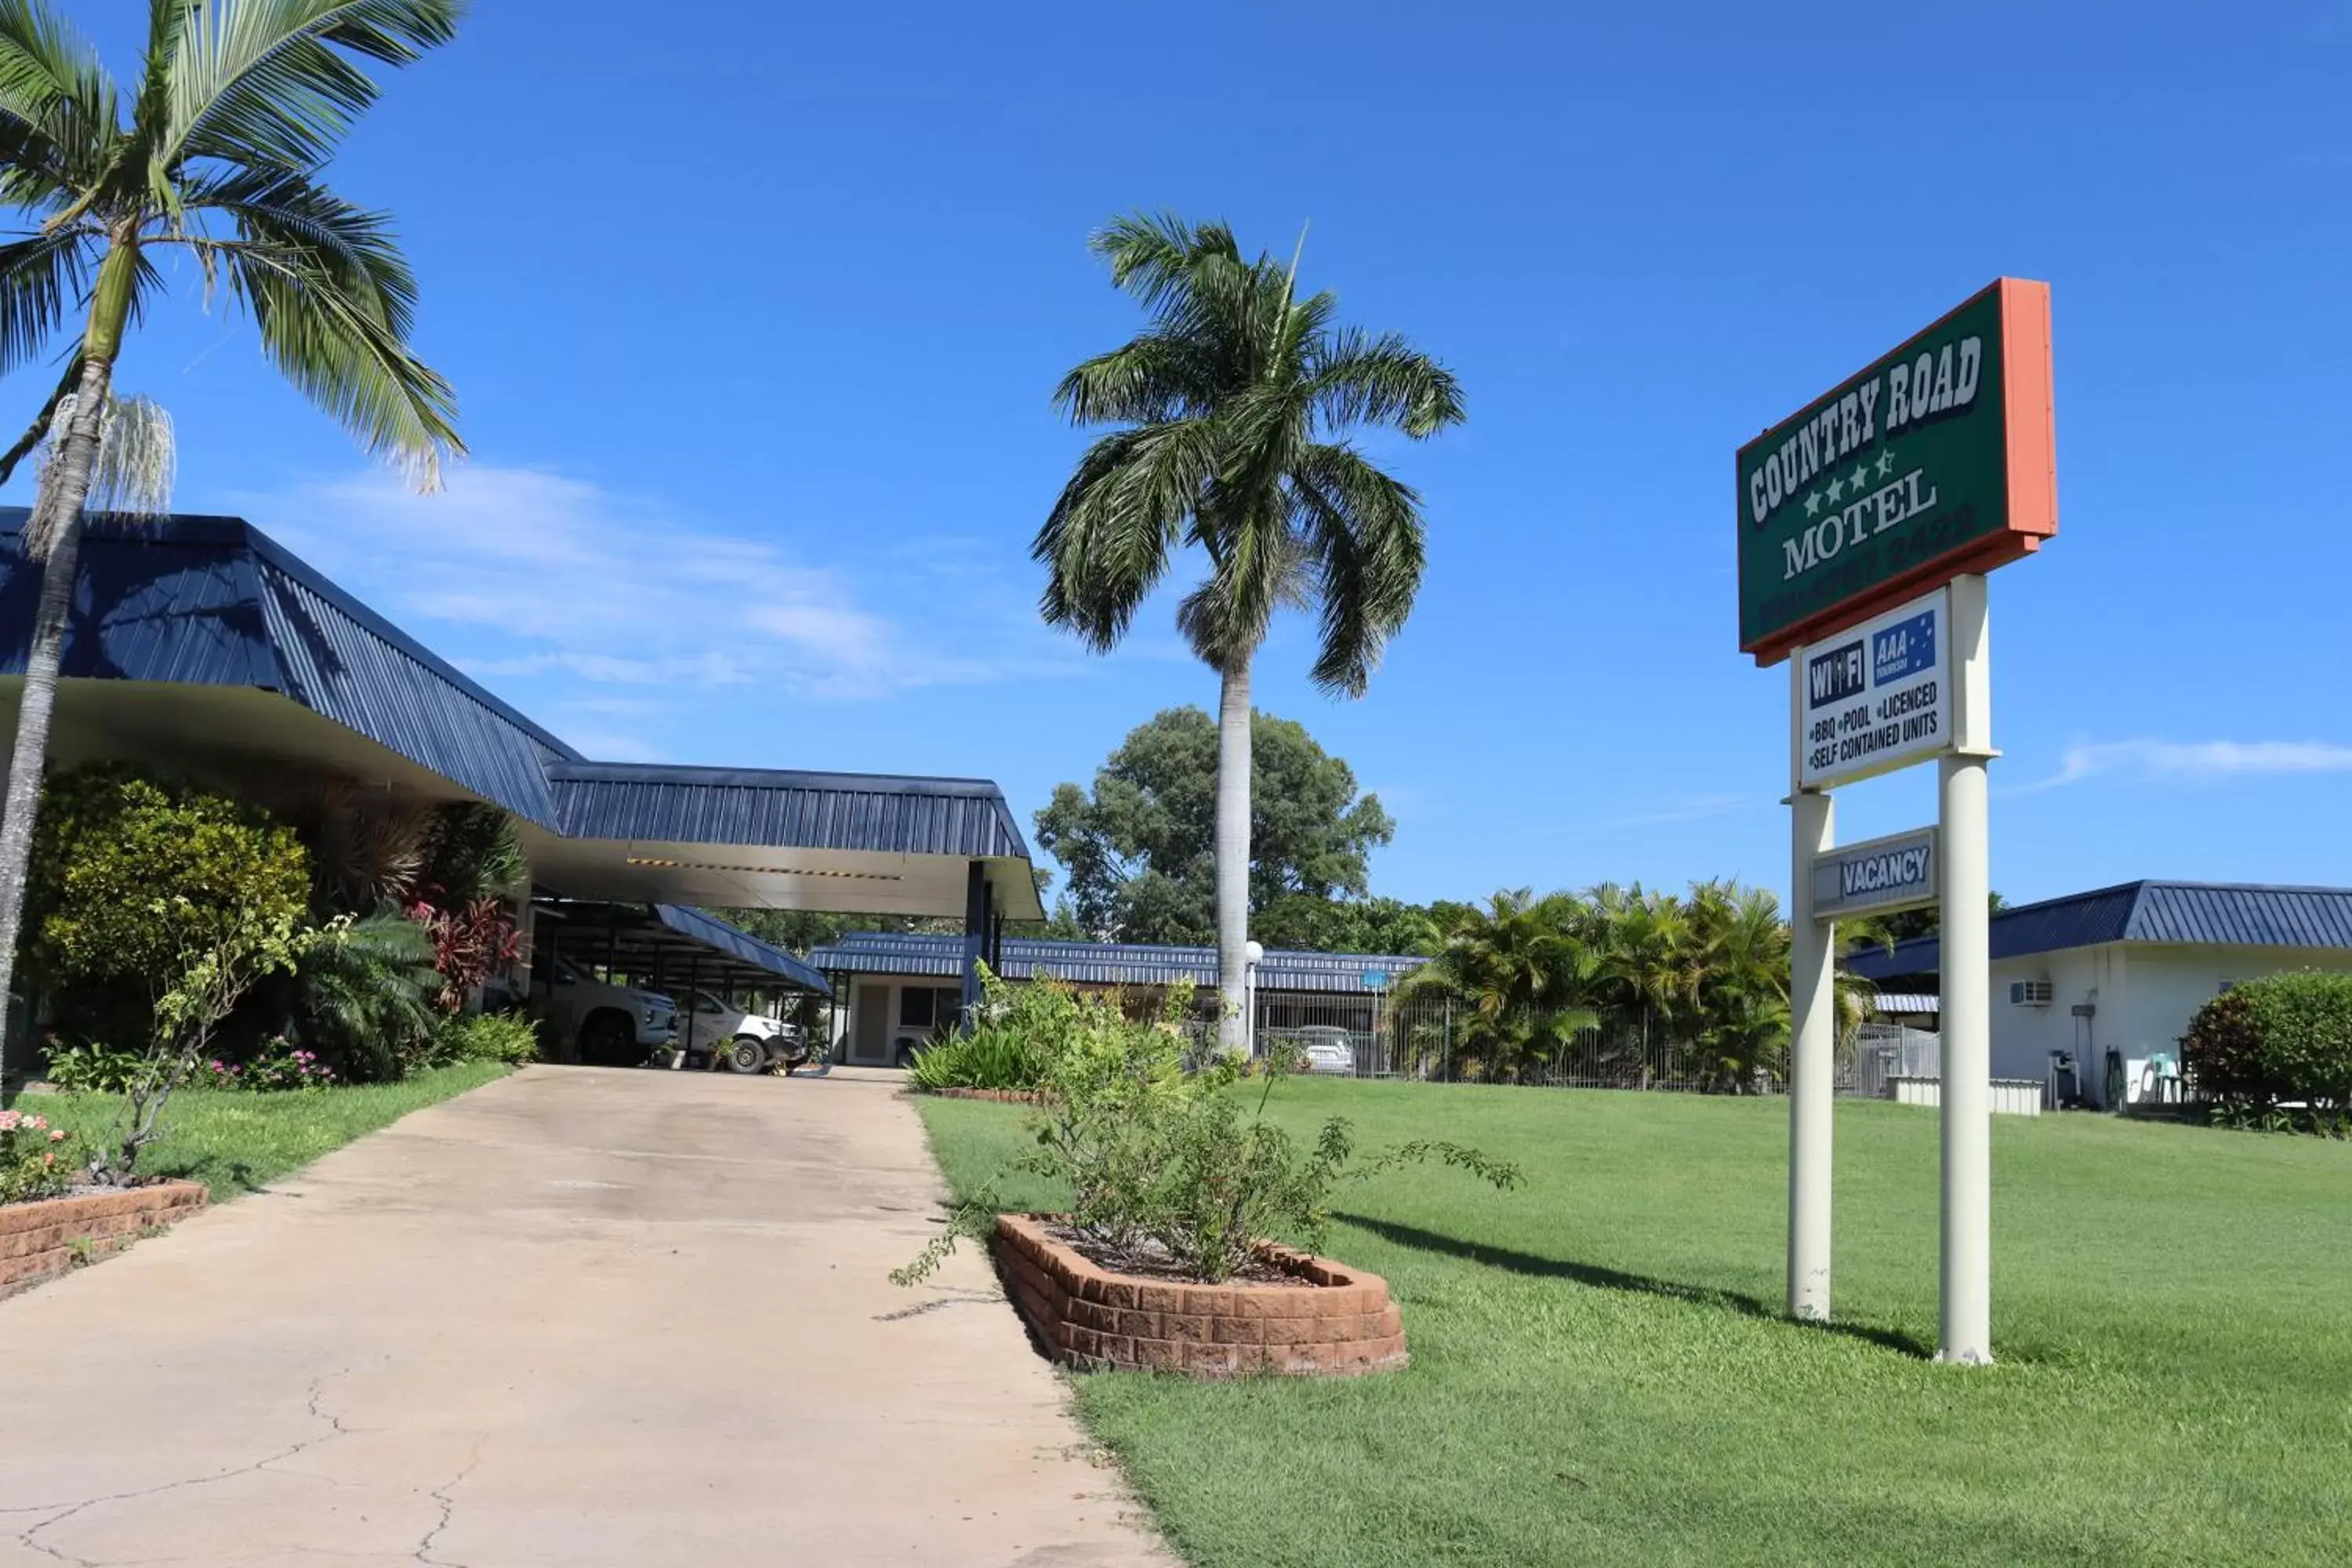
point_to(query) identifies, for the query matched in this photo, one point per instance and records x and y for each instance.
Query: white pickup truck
(613, 1026)
(744, 1042)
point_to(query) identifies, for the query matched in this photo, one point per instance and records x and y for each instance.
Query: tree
(1526, 971)
(218, 151)
(1141, 849)
(1233, 407)
(1368, 925)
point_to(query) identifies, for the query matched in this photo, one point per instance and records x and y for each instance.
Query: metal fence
(1884, 1051)
(1437, 1039)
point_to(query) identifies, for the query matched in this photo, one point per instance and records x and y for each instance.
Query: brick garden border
(1340, 1323)
(1006, 1096)
(37, 1239)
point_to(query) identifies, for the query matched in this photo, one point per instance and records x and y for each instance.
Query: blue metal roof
(800, 810)
(2228, 914)
(214, 601)
(1103, 962)
(717, 934)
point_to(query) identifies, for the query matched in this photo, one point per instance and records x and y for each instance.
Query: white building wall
(2143, 995)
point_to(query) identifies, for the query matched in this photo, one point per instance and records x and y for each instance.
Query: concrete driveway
(577, 1317)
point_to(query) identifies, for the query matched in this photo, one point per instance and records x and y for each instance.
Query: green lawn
(1599, 1373)
(237, 1143)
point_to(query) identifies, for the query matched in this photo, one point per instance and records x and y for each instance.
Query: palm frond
(335, 344)
(1109, 537)
(42, 276)
(1365, 533)
(1158, 256)
(58, 106)
(274, 81)
(1357, 379)
(38, 431)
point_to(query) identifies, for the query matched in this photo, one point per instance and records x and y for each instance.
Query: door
(869, 1022)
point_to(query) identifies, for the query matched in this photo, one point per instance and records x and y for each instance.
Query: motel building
(2092, 992)
(203, 647)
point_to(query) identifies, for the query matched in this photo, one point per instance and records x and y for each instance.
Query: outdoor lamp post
(1252, 956)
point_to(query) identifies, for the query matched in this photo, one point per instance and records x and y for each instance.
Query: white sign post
(1904, 686)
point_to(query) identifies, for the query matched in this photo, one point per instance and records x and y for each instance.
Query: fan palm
(216, 152)
(1234, 408)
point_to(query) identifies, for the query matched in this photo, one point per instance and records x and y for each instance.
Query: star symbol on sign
(1885, 462)
(1813, 504)
(1861, 480)
(1837, 488)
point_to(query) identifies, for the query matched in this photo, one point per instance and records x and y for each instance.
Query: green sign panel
(1902, 477)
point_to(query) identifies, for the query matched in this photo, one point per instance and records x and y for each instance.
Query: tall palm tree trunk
(56, 523)
(1233, 854)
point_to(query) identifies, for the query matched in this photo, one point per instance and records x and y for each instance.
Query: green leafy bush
(133, 871)
(1166, 1168)
(510, 1037)
(94, 1068)
(1013, 1038)
(2283, 1040)
(37, 1160)
(362, 996)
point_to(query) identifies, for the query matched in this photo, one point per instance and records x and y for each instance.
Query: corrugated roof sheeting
(338, 667)
(795, 810)
(2243, 916)
(214, 601)
(2228, 914)
(1102, 963)
(717, 934)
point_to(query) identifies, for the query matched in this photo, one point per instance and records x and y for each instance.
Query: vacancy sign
(1879, 876)
(1877, 697)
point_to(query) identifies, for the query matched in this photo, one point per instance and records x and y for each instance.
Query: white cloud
(552, 577)
(2194, 762)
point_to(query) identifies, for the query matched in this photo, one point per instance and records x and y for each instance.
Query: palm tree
(218, 152)
(1521, 970)
(1233, 409)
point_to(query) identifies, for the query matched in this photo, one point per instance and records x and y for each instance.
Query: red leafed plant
(470, 944)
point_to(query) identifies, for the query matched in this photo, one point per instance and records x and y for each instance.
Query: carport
(670, 948)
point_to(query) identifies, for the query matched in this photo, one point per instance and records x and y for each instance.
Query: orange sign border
(2029, 425)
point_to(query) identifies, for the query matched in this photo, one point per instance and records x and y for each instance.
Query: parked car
(744, 1042)
(611, 1026)
(1322, 1048)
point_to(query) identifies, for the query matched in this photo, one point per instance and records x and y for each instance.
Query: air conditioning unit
(2028, 992)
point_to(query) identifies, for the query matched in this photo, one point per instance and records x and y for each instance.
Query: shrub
(509, 1037)
(1164, 1167)
(94, 1068)
(2281, 1040)
(132, 871)
(1012, 1040)
(37, 1160)
(362, 996)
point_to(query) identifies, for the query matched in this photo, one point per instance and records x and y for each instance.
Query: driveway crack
(444, 1494)
(30, 1535)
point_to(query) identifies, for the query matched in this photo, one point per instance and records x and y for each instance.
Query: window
(915, 1009)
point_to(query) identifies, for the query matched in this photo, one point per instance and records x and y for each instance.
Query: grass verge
(237, 1143)
(1600, 1373)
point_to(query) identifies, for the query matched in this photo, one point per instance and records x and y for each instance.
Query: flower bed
(49, 1236)
(1326, 1320)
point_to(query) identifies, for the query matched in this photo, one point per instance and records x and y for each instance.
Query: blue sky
(755, 311)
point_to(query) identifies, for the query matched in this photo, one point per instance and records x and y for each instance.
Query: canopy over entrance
(669, 946)
(203, 644)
